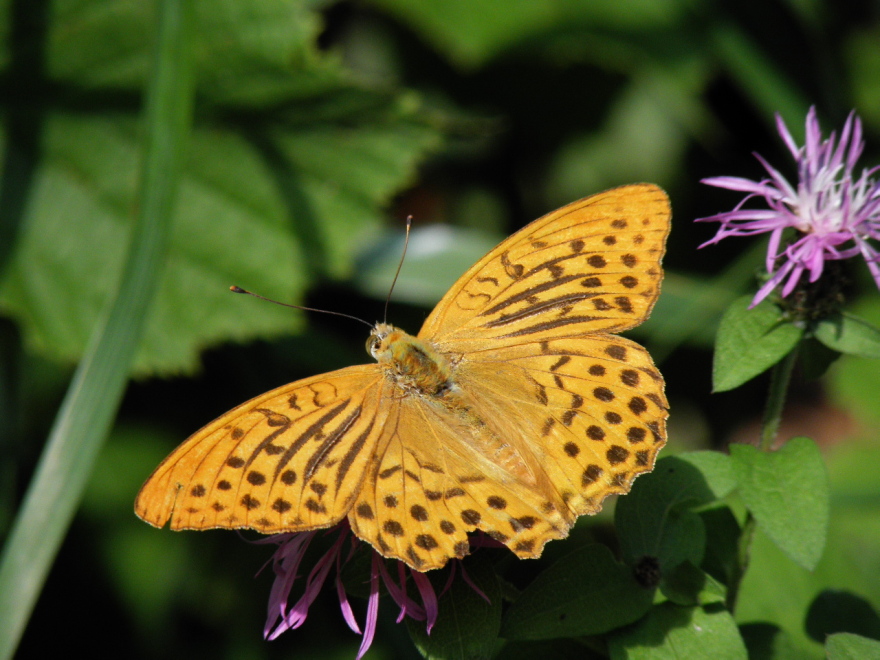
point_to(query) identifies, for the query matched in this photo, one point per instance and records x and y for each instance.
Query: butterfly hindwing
(431, 487)
(291, 459)
(592, 408)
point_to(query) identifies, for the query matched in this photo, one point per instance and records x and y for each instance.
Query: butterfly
(513, 411)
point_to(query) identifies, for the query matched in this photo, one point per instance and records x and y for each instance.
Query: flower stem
(780, 379)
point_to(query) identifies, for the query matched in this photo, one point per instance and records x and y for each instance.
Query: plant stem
(780, 379)
(92, 399)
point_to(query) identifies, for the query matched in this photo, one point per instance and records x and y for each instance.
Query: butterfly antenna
(399, 266)
(238, 289)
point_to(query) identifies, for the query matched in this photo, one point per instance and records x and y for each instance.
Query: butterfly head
(379, 342)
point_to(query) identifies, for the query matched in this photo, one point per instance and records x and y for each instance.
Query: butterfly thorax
(413, 364)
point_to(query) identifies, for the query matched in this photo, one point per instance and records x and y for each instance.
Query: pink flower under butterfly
(835, 215)
(286, 563)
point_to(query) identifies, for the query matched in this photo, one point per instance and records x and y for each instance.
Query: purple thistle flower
(286, 562)
(836, 216)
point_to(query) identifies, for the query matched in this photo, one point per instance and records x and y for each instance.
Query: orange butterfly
(514, 410)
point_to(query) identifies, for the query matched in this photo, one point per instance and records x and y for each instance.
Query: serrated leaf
(849, 334)
(585, 593)
(467, 626)
(269, 200)
(787, 492)
(749, 342)
(654, 520)
(846, 646)
(670, 632)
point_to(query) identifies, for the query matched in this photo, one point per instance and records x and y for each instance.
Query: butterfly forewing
(291, 459)
(591, 266)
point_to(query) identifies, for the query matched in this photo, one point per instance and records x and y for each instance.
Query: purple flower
(286, 563)
(835, 215)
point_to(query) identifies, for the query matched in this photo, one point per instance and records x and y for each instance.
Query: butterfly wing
(528, 330)
(591, 266)
(591, 410)
(432, 485)
(291, 459)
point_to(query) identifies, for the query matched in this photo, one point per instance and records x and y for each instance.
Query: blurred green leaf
(787, 492)
(849, 334)
(94, 394)
(846, 646)
(437, 255)
(749, 342)
(672, 631)
(467, 626)
(470, 33)
(273, 196)
(855, 381)
(585, 593)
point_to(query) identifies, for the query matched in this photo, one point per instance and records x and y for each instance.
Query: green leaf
(815, 358)
(585, 593)
(835, 611)
(467, 626)
(471, 32)
(787, 492)
(670, 631)
(654, 520)
(846, 646)
(849, 334)
(722, 540)
(749, 342)
(766, 641)
(688, 585)
(93, 396)
(271, 196)
(717, 471)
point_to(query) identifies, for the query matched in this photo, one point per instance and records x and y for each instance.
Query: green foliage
(749, 342)
(289, 164)
(315, 123)
(787, 492)
(585, 593)
(849, 334)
